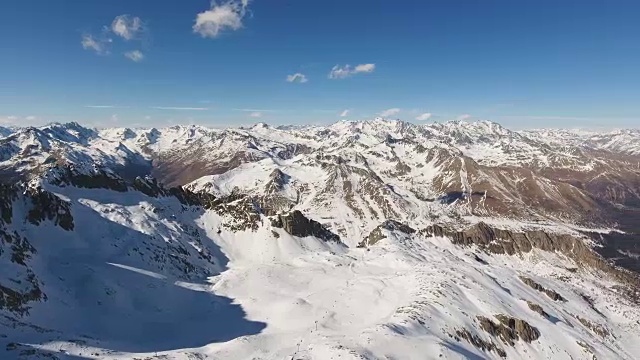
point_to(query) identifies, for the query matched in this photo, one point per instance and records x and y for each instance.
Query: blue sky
(162, 62)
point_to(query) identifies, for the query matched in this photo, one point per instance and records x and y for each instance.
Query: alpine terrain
(376, 239)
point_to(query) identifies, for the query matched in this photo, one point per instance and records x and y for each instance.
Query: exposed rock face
(501, 241)
(476, 341)
(379, 232)
(537, 308)
(97, 178)
(509, 329)
(47, 206)
(550, 293)
(15, 253)
(148, 186)
(296, 224)
(596, 328)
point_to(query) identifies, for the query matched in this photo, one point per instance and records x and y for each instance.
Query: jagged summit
(491, 242)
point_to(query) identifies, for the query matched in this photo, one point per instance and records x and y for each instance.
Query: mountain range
(377, 239)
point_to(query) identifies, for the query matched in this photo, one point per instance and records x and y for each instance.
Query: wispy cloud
(552, 117)
(127, 27)
(345, 113)
(390, 112)
(135, 55)
(255, 110)
(424, 117)
(464, 117)
(341, 72)
(297, 77)
(100, 106)
(98, 45)
(8, 120)
(179, 108)
(226, 15)
(18, 120)
(256, 114)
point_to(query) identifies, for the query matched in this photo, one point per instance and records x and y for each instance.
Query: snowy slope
(95, 264)
(281, 297)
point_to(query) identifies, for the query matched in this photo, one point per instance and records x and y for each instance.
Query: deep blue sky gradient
(521, 63)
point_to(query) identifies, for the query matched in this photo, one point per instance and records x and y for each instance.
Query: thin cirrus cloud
(135, 55)
(424, 117)
(106, 107)
(390, 112)
(178, 108)
(255, 110)
(297, 77)
(464, 117)
(256, 114)
(220, 17)
(342, 72)
(345, 113)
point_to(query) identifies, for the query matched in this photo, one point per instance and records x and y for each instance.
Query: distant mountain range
(364, 240)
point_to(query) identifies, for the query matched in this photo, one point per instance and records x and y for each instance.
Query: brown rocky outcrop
(499, 241)
(379, 232)
(296, 224)
(479, 343)
(509, 329)
(537, 308)
(550, 293)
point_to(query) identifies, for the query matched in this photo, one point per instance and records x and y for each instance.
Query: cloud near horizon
(220, 17)
(342, 72)
(390, 112)
(178, 108)
(424, 117)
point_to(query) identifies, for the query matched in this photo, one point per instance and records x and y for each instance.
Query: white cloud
(256, 114)
(100, 46)
(365, 68)
(114, 118)
(255, 110)
(8, 120)
(424, 117)
(297, 77)
(223, 16)
(100, 106)
(341, 72)
(345, 113)
(464, 117)
(390, 112)
(179, 108)
(12, 120)
(127, 27)
(135, 55)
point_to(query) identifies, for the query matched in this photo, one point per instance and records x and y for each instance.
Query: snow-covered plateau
(375, 239)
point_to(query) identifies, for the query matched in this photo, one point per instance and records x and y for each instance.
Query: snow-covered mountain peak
(438, 237)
